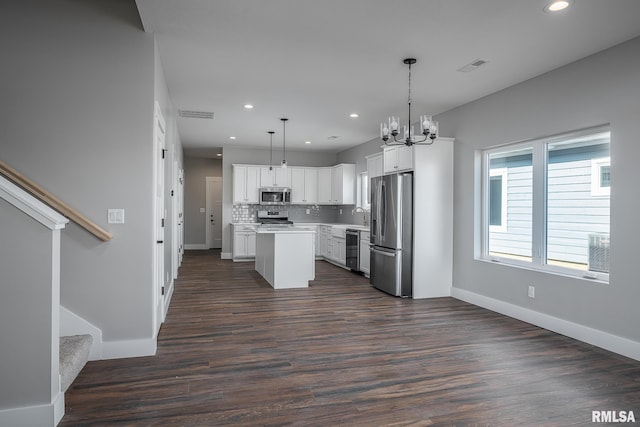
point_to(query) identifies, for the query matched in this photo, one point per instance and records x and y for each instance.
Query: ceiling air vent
(333, 137)
(472, 66)
(192, 114)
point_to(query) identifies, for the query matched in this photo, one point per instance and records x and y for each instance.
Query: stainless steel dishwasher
(353, 249)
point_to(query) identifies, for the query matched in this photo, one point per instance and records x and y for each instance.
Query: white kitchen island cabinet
(285, 257)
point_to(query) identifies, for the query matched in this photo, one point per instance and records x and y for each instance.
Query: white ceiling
(317, 61)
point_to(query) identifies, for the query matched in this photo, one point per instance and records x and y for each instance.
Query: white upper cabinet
(245, 184)
(343, 184)
(304, 185)
(325, 177)
(397, 158)
(374, 165)
(336, 185)
(276, 177)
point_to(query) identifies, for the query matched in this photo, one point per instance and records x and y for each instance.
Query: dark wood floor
(235, 352)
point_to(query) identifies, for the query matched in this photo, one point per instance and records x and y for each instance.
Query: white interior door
(159, 215)
(214, 212)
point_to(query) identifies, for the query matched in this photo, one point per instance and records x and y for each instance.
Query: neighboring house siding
(573, 212)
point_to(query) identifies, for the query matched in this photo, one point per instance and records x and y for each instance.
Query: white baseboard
(129, 348)
(196, 247)
(226, 255)
(614, 343)
(72, 324)
(41, 415)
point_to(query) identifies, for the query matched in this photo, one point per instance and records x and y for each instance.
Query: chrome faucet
(364, 214)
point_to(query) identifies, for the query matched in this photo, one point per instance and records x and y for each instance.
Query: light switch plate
(202, 210)
(115, 216)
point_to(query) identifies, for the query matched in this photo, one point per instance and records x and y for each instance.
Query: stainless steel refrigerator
(392, 234)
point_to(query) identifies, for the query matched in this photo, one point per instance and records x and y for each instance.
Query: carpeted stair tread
(74, 354)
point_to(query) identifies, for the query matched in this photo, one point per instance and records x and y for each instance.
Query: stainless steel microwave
(274, 196)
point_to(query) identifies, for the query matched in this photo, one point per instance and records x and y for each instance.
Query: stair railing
(55, 203)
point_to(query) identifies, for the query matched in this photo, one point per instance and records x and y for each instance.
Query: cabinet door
(298, 187)
(281, 177)
(389, 163)
(250, 244)
(239, 184)
(340, 250)
(336, 185)
(404, 158)
(374, 165)
(364, 256)
(267, 176)
(310, 185)
(324, 185)
(239, 244)
(252, 184)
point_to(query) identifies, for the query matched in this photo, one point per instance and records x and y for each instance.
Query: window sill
(591, 277)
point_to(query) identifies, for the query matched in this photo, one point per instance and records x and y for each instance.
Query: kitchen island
(285, 256)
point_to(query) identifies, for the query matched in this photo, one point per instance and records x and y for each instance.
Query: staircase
(74, 354)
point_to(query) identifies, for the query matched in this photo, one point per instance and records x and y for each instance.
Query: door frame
(159, 144)
(208, 238)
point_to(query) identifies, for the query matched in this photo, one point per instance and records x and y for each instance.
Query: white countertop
(309, 224)
(288, 230)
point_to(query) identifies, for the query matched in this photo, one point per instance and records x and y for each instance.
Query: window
(363, 191)
(601, 177)
(546, 204)
(498, 199)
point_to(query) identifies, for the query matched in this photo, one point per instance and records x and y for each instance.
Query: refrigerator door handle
(385, 253)
(382, 220)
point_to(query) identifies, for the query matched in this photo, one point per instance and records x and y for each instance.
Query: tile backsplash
(297, 213)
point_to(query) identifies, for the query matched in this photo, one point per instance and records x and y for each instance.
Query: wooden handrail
(57, 204)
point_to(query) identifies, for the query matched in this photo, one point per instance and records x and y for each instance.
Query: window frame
(363, 191)
(597, 190)
(540, 160)
(503, 173)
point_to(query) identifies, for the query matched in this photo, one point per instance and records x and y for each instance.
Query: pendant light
(271, 149)
(284, 159)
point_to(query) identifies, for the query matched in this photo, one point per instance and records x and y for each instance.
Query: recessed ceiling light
(232, 137)
(307, 142)
(353, 115)
(248, 106)
(557, 5)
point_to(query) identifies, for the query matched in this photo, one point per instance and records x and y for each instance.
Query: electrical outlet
(340, 211)
(308, 211)
(532, 292)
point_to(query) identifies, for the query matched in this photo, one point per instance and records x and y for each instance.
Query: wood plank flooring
(235, 352)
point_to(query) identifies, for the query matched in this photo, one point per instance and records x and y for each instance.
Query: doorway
(213, 216)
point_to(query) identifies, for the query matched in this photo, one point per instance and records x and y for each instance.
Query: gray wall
(603, 88)
(25, 300)
(357, 155)
(232, 156)
(196, 169)
(76, 116)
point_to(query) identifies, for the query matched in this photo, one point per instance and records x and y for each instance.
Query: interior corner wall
(173, 163)
(603, 88)
(76, 116)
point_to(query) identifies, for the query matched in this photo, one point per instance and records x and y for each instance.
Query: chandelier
(428, 128)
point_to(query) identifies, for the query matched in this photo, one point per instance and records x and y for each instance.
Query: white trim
(168, 297)
(41, 415)
(614, 343)
(195, 247)
(31, 206)
(129, 348)
(226, 255)
(72, 324)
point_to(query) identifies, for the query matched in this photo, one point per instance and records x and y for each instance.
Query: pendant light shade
(284, 158)
(270, 149)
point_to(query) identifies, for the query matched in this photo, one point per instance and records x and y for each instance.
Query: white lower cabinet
(244, 243)
(339, 247)
(364, 252)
